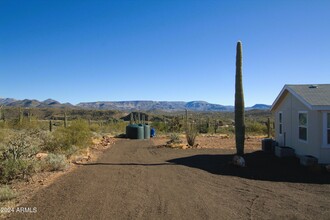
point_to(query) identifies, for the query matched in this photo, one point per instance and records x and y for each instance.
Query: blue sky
(171, 50)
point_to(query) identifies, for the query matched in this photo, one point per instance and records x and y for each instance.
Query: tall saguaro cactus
(239, 103)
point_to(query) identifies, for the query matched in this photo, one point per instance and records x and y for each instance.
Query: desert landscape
(159, 109)
(149, 179)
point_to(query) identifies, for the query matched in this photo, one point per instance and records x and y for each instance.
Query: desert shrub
(175, 125)
(55, 162)
(230, 130)
(254, 127)
(6, 193)
(72, 150)
(23, 144)
(28, 124)
(203, 129)
(159, 126)
(116, 127)
(5, 135)
(16, 155)
(174, 138)
(77, 134)
(94, 127)
(191, 134)
(11, 169)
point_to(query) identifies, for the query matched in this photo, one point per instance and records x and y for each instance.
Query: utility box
(308, 160)
(284, 152)
(267, 145)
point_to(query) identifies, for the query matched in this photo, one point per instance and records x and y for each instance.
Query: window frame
(303, 126)
(326, 117)
(280, 123)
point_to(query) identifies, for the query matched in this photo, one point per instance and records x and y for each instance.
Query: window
(303, 122)
(328, 128)
(280, 122)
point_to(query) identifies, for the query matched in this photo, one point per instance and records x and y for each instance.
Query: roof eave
(321, 107)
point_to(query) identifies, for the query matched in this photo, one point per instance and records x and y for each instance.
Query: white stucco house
(302, 120)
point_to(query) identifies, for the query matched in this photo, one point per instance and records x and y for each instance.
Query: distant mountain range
(127, 105)
(32, 103)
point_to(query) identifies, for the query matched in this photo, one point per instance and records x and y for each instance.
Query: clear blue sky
(171, 50)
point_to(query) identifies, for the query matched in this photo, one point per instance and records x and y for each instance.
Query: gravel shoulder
(138, 180)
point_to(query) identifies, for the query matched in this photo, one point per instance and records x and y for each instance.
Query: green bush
(253, 127)
(11, 169)
(16, 155)
(62, 139)
(159, 126)
(175, 124)
(6, 193)
(230, 130)
(94, 127)
(78, 134)
(55, 162)
(203, 129)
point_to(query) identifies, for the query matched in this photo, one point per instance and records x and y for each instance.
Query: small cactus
(20, 116)
(216, 126)
(50, 126)
(65, 120)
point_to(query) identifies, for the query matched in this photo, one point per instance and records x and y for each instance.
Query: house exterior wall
(290, 107)
(285, 108)
(325, 148)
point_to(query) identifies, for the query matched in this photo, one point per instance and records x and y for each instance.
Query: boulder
(238, 161)
(327, 167)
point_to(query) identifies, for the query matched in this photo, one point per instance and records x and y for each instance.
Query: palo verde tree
(239, 103)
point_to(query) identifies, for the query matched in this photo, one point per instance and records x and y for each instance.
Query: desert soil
(141, 179)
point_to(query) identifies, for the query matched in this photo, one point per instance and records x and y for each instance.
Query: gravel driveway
(136, 180)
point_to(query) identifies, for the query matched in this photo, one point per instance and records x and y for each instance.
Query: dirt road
(136, 180)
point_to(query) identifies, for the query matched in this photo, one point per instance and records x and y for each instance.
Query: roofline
(287, 88)
(277, 98)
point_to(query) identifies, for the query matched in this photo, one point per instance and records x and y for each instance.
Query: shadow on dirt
(259, 166)
(123, 164)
